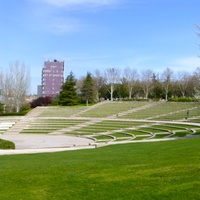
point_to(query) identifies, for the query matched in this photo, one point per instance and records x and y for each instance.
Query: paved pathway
(32, 143)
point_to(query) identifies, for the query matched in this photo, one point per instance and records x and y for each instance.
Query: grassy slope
(165, 170)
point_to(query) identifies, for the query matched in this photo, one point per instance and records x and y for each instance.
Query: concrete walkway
(32, 143)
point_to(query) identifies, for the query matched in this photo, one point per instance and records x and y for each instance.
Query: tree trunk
(130, 95)
(111, 92)
(166, 96)
(86, 102)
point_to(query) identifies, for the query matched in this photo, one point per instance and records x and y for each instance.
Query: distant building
(39, 90)
(52, 78)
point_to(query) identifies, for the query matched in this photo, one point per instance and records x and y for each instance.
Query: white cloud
(187, 63)
(60, 29)
(51, 16)
(52, 20)
(160, 63)
(57, 25)
(60, 26)
(70, 3)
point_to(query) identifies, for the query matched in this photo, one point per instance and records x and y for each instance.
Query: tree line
(111, 84)
(14, 85)
(130, 84)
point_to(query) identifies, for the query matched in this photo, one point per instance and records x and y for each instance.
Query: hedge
(181, 99)
(5, 144)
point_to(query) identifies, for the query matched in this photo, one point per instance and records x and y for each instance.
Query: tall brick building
(52, 78)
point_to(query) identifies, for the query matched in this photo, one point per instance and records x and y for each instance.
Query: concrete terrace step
(135, 110)
(90, 108)
(24, 121)
(36, 111)
(18, 127)
(78, 126)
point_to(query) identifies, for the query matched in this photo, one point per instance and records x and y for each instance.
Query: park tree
(5, 86)
(14, 85)
(146, 81)
(121, 89)
(99, 82)
(79, 83)
(191, 86)
(196, 77)
(197, 94)
(68, 95)
(131, 76)
(167, 78)
(196, 82)
(112, 77)
(156, 91)
(183, 80)
(87, 90)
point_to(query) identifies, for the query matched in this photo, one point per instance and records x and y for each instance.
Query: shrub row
(186, 99)
(178, 99)
(127, 99)
(5, 144)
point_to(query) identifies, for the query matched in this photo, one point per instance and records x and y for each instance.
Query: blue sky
(100, 34)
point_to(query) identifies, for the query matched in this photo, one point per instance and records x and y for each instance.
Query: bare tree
(112, 76)
(196, 77)
(6, 94)
(167, 77)
(131, 77)
(183, 80)
(14, 85)
(196, 82)
(99, 80)
(146, 81)
(197, 94)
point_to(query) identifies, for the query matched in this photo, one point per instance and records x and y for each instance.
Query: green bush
(181, 99)
(1, 108)
(55, 102)
(134, 99)
(25, 107)
(21, 113)
(4, 144)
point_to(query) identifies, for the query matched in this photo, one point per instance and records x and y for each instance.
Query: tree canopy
(68, 95)
(87, 90)
(14, 85)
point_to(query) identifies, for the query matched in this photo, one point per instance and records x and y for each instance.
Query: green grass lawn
(165, 111)
(111, 108)
(156, 170)
(65, 111)
(105, 126)
(181, 134)
(39, 125)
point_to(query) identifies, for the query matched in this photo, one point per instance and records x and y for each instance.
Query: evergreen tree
(68, 95)
(87, 90)
(156, 92)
